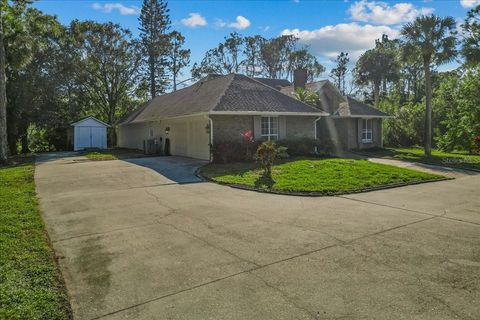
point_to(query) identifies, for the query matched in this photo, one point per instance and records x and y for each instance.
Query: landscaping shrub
(232, 151)
(266, 153)
(238, 151)
(306, 146)
(282, 153)
(476, 144)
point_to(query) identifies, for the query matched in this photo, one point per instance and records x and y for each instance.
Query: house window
(270, 128)
(367, 131)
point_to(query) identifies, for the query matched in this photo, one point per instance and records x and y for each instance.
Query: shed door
(83, 139)
(98, 137)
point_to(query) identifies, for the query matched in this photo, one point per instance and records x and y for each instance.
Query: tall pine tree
(178, 57)
(154, 24)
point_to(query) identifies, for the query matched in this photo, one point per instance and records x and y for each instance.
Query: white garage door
(190, 139)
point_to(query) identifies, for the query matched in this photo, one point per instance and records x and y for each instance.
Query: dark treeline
(56, 74)
(401, 77)
(256, 56)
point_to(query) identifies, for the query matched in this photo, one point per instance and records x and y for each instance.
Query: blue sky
(327, 27)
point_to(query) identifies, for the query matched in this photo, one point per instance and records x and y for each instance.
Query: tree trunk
(428, 109)
(174, 81)
(3, 96)
(24, 140)
(376, 93)
(153, 87)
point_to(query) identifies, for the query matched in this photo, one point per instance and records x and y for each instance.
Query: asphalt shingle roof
(233, 92)
(351, 106)
(357, 108)
(275, 83)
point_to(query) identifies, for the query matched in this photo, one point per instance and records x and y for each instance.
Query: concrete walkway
(445, 171)
(136, 245)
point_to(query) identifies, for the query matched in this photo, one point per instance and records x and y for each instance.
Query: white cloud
(353, 38)
(194, 20)
(382, 13)
(123, 10)
(240, 23)
(219, 23)
(469, 3)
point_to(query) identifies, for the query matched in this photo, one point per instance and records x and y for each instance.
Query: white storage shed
(89, 133)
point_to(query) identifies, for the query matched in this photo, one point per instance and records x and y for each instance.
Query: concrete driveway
(136, 245)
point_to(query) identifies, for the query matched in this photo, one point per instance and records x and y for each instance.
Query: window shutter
(282, 127)
(359, 131)
(257, 128)
(373, 123)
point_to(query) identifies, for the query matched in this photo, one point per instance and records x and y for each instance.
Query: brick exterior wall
(347, 132)
(300, 127)
(229, 128)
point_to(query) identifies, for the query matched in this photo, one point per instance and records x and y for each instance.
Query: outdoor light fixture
(167, 130)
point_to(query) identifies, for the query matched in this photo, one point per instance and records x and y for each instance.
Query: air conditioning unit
(151, 146)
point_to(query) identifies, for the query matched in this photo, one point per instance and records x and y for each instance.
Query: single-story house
(351, 124)
(218, 108)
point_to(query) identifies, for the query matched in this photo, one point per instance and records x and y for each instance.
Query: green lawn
(449, 159)
(101, 156)
(325, 176)
(29, 284)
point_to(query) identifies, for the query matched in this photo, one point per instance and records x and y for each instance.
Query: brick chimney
(299, 78)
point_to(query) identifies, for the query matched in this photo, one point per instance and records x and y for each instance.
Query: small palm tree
(307, 96)
(433, 40)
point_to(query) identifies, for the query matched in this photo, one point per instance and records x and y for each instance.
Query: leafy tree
(154, 24)
(252, 52)
(256, 56)
(471, 42)
(302, 59)
(406, 128)
(340, 71)
(431, 39)
(224, 59)
(178, 58)
(307, 96)
(33, 85)
(275, 55)
(108, 71)
(376, 66)
(12, 54)
(459, 99)
(3, 94)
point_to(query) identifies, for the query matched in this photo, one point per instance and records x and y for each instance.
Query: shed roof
(90, 118)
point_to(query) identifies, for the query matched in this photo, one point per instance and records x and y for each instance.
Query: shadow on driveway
(178, 169)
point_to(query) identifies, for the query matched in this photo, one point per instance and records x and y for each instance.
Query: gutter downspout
(210, 121)
(315, 125)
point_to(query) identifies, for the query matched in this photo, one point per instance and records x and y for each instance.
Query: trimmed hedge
(236, 151)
